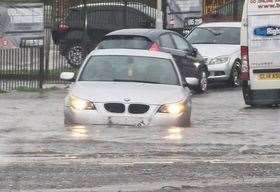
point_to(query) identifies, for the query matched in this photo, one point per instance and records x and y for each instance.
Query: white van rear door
(264, 43)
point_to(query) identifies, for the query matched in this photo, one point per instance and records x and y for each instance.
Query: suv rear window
(125, 42)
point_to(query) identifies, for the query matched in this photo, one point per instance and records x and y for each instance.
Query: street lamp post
(159, 19)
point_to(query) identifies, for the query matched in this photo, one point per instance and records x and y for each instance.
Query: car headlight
(80, 104)
(174, 108)
(219, 60)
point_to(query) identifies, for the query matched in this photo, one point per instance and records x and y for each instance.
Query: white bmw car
(219, 44)
(128, 87)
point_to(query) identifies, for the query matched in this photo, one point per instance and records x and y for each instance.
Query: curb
(55, 86)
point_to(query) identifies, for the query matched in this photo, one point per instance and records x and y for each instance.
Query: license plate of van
(269, 76)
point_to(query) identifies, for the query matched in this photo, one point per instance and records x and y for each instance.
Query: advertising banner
(21, 25)
(262, 7)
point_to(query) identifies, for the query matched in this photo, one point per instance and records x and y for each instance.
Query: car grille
(115, 107)
(138, 109)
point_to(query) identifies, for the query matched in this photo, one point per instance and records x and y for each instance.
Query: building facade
(211, 5)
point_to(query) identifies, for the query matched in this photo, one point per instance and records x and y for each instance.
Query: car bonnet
(102, 92)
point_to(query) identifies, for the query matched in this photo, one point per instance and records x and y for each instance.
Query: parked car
(110, 86)
(219, 44)
(260, 73)
(84, 27)
(188, 59)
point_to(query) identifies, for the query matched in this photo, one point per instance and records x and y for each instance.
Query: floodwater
(228, 147)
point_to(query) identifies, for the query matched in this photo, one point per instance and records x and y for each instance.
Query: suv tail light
(63, 27)
(245, 69)
(154, 47)
(3, 41)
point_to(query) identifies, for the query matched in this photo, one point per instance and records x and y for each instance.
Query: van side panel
(244, 26)
(264, 44)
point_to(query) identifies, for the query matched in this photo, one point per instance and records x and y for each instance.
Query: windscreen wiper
(213, 32)
(137, 81)
(204, 43)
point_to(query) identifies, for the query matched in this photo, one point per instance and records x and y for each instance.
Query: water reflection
(79, 132)
(174, 134)
(128, 134)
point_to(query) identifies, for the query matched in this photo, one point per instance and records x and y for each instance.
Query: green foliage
(27, 89)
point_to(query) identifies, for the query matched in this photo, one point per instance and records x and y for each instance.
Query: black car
(84, 26)
(188, 59)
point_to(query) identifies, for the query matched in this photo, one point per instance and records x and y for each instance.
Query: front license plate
(269, 76)
(142, 123)
(131, 121)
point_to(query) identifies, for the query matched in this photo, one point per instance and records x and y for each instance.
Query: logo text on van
(267, 31)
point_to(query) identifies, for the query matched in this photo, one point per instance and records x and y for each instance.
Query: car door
(167, 45)
(185, 57)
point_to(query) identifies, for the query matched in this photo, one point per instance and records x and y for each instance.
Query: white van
(260, 52)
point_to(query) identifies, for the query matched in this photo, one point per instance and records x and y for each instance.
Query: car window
(112, 18)
(125, 42)
(181, 43)
(215, 35)
(166, 41)
(75, 18)
(105, 18)
(130, 69)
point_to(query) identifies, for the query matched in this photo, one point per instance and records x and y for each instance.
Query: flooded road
(228, 147)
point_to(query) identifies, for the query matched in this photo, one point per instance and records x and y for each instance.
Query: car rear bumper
(97, 118)
(266, 97)
(260, 96)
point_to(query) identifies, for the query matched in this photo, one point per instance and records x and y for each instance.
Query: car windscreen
(125, 42)
(130, 69)
(215, 35)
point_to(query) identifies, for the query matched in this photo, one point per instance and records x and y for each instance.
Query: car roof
(221, 24)
(132, 52)
(151, 34)
(147, 9)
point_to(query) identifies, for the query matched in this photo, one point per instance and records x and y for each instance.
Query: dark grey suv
(188, 59)
(84, 27)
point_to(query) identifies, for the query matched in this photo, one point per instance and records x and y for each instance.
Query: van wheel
(75, 54)
(203, 82)
(247, 94)
(234, 79)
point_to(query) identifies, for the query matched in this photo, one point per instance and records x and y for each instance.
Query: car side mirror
(192, 81)
(67, 76)
(195, 52)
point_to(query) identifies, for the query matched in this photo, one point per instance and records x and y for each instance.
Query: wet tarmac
(229, 147)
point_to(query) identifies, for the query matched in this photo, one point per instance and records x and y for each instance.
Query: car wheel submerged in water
(235, 75)
(203, 82)
(247, 94)
(75, 54)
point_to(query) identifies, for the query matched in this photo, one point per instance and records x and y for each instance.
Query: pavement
(229, 147)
